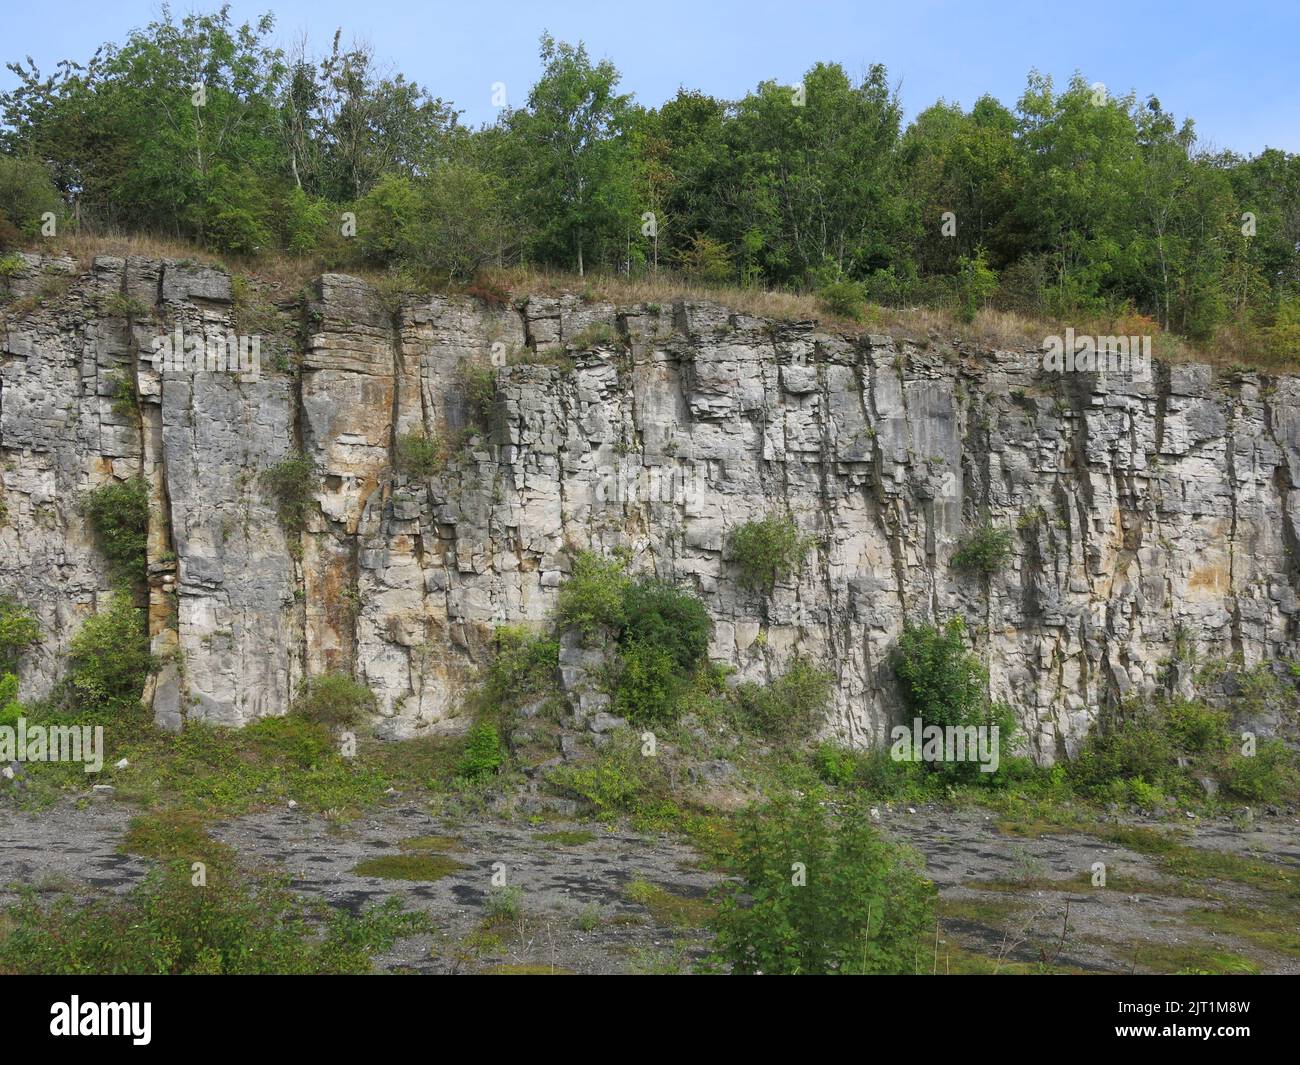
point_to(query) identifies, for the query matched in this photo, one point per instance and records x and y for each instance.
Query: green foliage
(864, 908)
(292, 486)
(109, 658)
(1063, 205)
(767, 550)
(621, 781)
(975, 284)
(944, 684)
(836, 765)
(649, 684)
(593, 596)
(19, 630)
(659, 614)
(789, 707)
(334, 700)
(166, 926)
(661, 630)
(119, 514)
(844, 297)
(419, 455)
(1150, 754)
(26, 193)
(524, 667)
(984, 552)
(483, 755)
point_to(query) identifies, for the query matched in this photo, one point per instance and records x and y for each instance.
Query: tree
(573, 164)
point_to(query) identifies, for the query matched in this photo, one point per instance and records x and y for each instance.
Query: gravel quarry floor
(1015, 904)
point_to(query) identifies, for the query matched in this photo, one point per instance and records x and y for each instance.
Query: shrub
(524, 666)
(593, 596)
(480, 383)
(292, 486)
(334, 700)
(483, 755)
(662, 632)
(109, 658)
(18, 631)
(836, 765)
(943, 684)
(864, 908)
(418, 455)
(621, 781)
(844, 297)
(166, 926)
(119, 514)
(789, 707)
(976, 283)
(984, 552)
(658, 613)
(707, 260)
(26, 193)
(767, 550)
(649, 683)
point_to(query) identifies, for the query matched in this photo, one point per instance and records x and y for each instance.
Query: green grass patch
(419, 866)
(567, 837)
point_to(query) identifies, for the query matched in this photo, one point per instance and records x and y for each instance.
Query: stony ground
(597, 900)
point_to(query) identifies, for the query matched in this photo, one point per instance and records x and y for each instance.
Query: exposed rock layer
(1151, 520)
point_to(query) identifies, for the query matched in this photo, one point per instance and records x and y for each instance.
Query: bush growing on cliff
(593, 597)
(863, 906)
(335, 700)
(119, 514)
(418, 454)
(19, 630)
(1149, 753)
(292, 486)
(767, 550)
(788, 708)
(662, 632)
(524, 666)
(984, 552)
(109, 658)
(944, 684)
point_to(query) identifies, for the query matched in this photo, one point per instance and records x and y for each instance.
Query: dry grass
(277, 272)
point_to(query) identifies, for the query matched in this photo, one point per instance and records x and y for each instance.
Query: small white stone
(121, 765)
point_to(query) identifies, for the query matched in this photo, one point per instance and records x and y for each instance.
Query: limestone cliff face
(1144, 515)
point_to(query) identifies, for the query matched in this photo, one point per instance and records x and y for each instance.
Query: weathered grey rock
(1151, 520)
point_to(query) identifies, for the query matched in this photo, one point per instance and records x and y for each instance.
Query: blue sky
(1234, 67)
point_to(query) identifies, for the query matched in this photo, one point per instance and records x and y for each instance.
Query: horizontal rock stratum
(1144, 516)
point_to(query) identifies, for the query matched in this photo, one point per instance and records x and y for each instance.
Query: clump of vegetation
(843, 297)
(621, 781)
(943, 684)
(19, 630)
(1150, 754)
(483, 754)
(984, 552)
(292, 486)
(335, 700)
(789, 707)
(109, 658)
(420, 866)
(818, 895)
(166, 925)
(975, 284)
(662, 633)
(768, 550)
(523, 667)
(419, 455)
(480, 383)
(592, 598)
(596, 335)
(119, 514)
